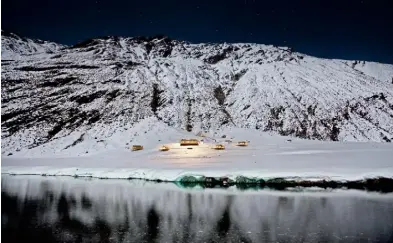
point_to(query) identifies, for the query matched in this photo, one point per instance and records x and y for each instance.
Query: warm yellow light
(219, 147)
(189, 142)
(164, 148)
(136, 147)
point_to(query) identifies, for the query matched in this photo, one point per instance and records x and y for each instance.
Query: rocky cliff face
(51, 91)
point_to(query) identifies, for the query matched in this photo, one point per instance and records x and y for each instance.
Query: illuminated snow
(267, 156)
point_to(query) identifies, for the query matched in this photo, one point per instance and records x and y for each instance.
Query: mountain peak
(13, 46)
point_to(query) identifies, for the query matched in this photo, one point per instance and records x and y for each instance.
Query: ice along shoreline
(377, 184)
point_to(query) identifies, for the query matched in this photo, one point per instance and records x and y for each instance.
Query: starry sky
(346, 29)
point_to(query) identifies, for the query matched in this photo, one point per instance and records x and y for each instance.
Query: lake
(66, 209)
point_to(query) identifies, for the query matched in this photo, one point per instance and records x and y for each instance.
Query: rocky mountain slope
(108, 85)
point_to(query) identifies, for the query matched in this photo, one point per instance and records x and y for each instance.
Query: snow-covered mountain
(107, 86)
(14, 46)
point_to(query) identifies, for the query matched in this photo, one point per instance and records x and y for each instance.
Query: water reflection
(74, 210)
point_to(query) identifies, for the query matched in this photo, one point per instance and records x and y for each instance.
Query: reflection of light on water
(133, 207)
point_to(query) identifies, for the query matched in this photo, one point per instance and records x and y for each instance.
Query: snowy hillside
(89, 95)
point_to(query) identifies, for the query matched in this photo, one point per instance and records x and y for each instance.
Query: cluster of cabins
(188, 143)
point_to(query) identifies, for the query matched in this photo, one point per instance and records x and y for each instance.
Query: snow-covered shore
(266, 157)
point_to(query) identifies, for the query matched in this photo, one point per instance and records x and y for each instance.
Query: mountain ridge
(52, 91)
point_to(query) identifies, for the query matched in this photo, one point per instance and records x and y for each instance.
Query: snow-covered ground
(267, 156)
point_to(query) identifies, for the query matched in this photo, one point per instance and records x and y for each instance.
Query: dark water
(44, 209)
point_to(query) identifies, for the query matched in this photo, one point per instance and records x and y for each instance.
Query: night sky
(347, 29)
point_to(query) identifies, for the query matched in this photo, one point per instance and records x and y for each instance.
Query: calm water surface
(49, 209)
